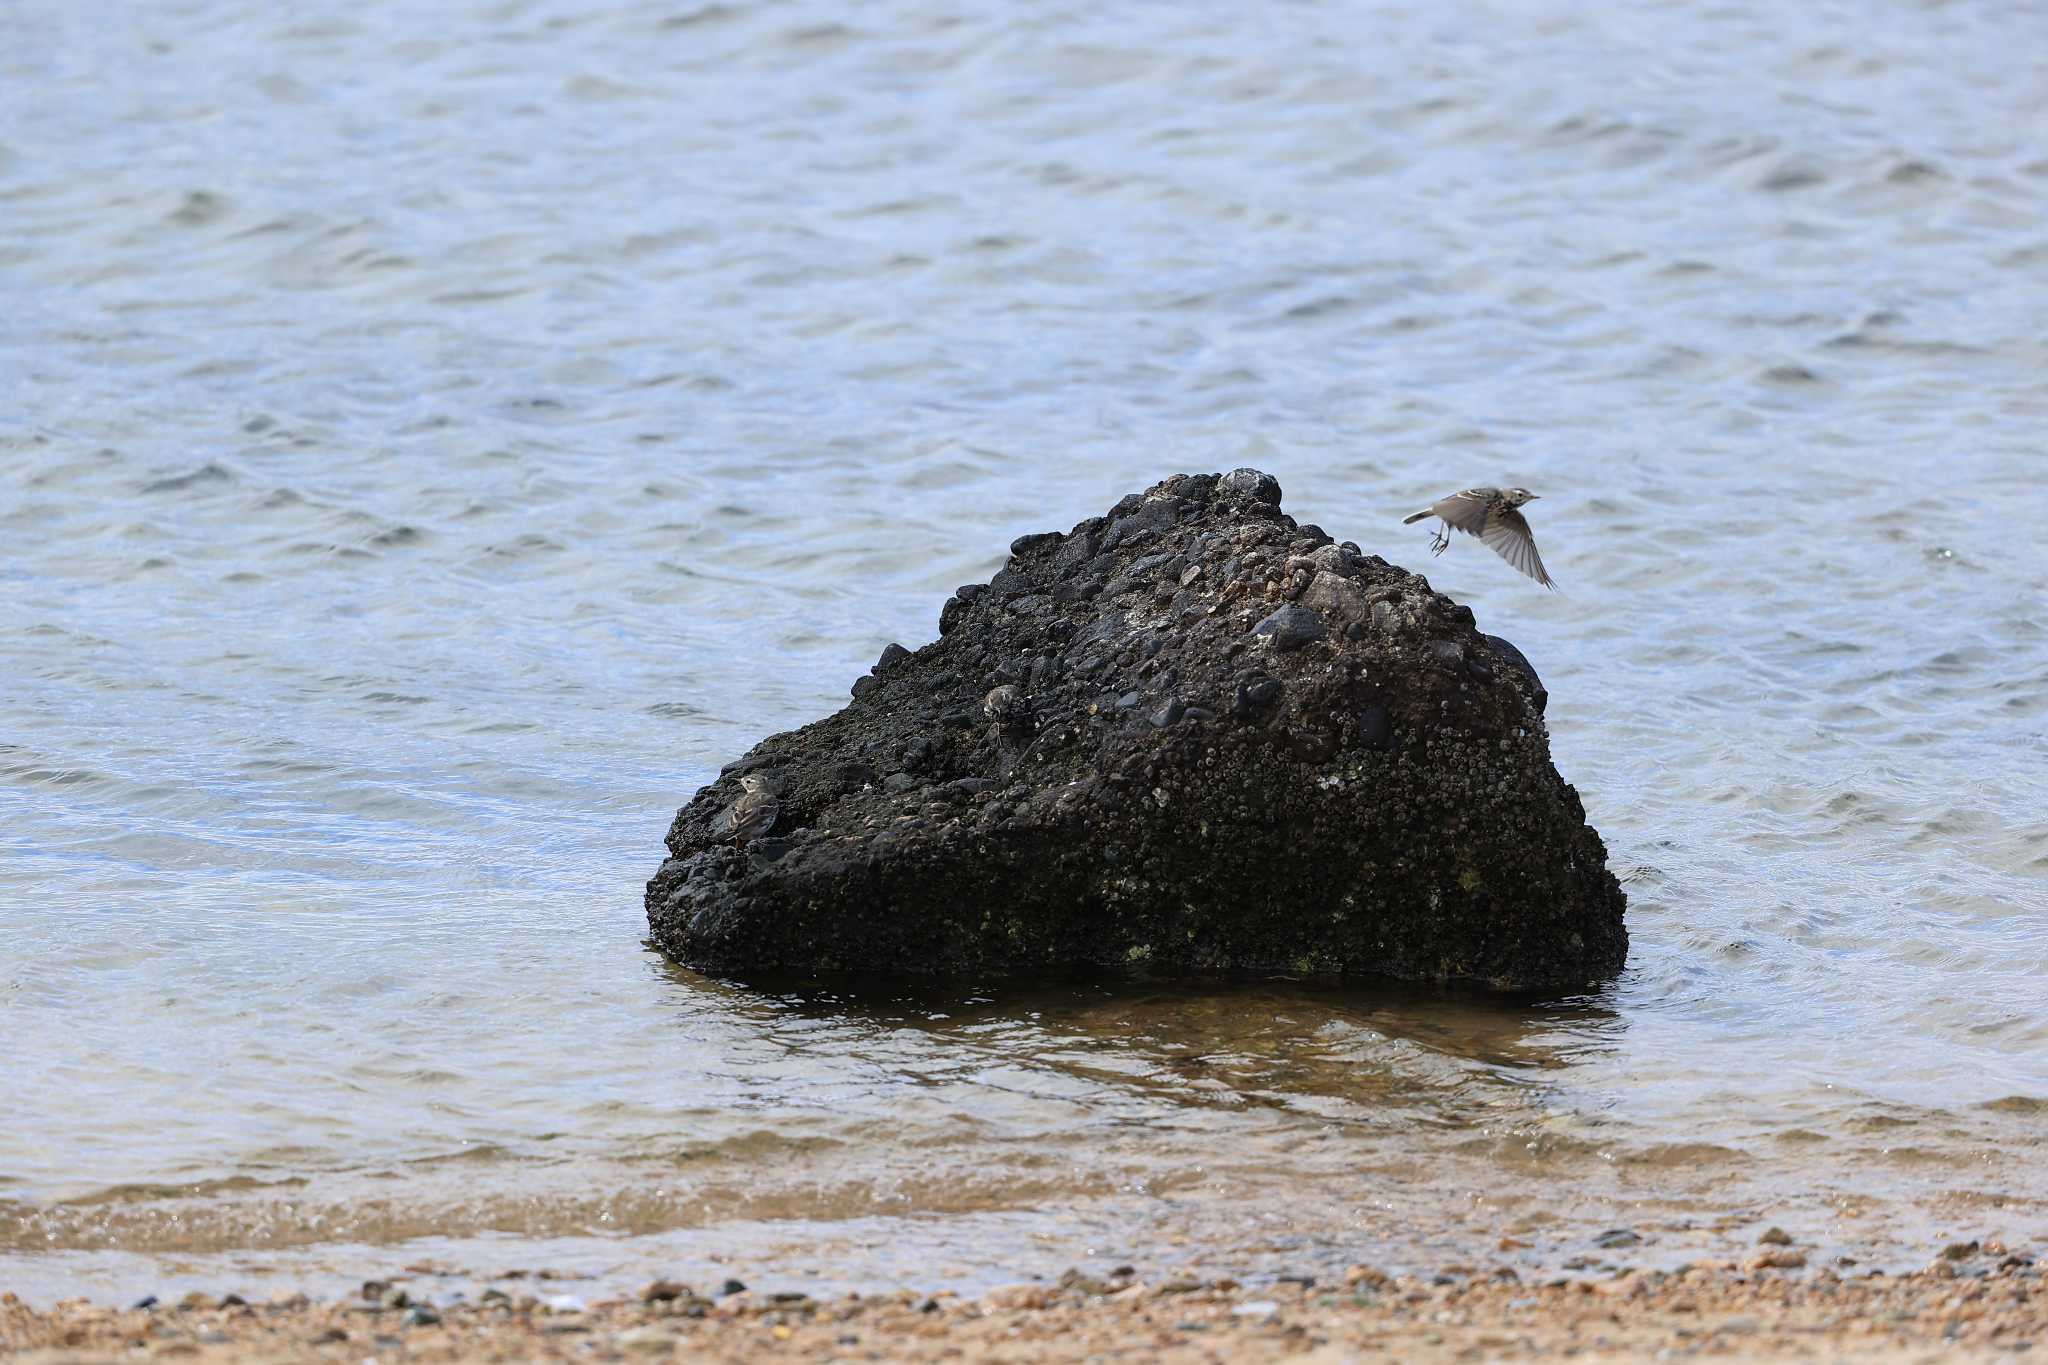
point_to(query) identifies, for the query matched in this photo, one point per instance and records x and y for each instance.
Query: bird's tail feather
(1425, 512)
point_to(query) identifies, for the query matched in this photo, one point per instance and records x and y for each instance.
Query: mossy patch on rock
(1226, 744)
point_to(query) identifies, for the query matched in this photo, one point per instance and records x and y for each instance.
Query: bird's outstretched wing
(1509, 537)
(1466, 510)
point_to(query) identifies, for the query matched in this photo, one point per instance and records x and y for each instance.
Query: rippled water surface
(437, 438)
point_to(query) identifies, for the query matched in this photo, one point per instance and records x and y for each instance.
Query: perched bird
(753, 815)
(1007, 710)
(1490, 514)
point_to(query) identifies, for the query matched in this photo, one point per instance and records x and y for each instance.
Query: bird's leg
(1440, 540)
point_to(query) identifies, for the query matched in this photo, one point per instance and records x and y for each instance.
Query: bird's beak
(1534, 496)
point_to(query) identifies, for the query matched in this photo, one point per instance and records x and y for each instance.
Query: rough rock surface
(1223, 743)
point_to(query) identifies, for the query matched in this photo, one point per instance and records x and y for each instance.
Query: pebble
(731, 1287)
(1254, 483)
(1618, 1237)
(1291, 627)
(663, 1290)
(421, 1315)
(1257, 1308)
(1776, 1258)
(645, 1341)
(1775, 1237)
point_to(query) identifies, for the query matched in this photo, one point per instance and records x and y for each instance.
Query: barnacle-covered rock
(1186, 736)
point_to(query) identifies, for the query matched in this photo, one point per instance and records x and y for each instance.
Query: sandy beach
(1970, 1303)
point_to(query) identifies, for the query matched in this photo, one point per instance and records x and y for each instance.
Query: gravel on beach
(1991, 1309)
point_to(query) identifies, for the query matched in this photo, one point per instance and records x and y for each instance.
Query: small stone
(731, 1287)
(494, 1296)
(394, 1298)
(892, 654)
(864, 684)
(661, 1291)
(1128, 701)
(1775, 1237)
(1025, 547)
(1253, 483)
(233, 1301)
(1255, 695)
(421, 1315)
(1257, 1308)
(196, 1300)
(1291, 627)
(899, 782)
(1169, 715)
(645, 1341)
(1775, 1258)
(1618, 1237)
(1959, 1251)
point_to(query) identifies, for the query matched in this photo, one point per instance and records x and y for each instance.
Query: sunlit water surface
(437, 438)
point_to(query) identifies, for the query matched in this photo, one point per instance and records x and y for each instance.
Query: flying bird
(1490, 514)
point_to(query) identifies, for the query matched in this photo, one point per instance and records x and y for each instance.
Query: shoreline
(1970, 1302)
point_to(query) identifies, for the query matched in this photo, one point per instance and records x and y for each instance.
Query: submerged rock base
(1186, 736)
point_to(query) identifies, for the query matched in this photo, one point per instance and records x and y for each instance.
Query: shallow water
(437, 441)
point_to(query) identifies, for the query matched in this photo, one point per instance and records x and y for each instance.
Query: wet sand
(1970, 1303)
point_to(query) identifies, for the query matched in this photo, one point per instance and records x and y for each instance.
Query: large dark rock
(1224, 743)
